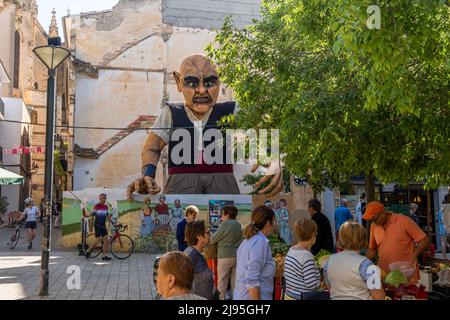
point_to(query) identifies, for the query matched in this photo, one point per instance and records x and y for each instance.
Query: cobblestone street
(100, 280)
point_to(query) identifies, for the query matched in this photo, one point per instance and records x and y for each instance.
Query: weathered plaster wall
(103, 36)
(207, 14)
(115, 100)
(114, 169)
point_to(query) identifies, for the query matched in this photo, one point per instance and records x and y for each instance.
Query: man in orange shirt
(397, 238)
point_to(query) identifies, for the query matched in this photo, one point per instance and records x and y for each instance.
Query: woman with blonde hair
(255, 267)
(300, 270)
(349, 275)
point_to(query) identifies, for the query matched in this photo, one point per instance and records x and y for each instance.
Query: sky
(45, 8)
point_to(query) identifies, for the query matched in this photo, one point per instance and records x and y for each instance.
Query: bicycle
(14, 239)
(120, 245)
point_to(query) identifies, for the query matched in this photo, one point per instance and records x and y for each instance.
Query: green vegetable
(395, 278)
(319, 255)
(322, 253)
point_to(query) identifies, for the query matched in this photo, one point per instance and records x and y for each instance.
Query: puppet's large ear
(177, 77)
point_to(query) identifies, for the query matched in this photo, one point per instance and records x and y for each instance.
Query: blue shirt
(341, 215)
(181, 226)
(442, 231)
(255, 268)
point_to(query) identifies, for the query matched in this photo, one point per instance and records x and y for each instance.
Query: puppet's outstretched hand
(273, 173)
(144, 185)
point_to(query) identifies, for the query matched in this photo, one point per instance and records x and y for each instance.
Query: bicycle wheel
(96, 249)
(14, 239)
(122, 247)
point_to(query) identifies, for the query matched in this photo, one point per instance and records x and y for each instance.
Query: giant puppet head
(199, 83)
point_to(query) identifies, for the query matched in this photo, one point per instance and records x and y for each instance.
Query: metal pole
(48, 182)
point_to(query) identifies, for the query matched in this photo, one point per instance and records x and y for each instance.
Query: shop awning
(8, 177)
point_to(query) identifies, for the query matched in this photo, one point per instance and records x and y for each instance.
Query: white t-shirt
(30, 213)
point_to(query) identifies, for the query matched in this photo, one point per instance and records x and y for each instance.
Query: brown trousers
(226, 272)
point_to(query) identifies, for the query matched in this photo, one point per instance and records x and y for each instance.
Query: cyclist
(100, 215)
(31, 213)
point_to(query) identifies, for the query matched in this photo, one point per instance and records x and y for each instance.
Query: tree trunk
(370, 186)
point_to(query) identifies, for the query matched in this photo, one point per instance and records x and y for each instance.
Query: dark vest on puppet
(180, 120)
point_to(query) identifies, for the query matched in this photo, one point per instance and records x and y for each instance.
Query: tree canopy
(346, 98)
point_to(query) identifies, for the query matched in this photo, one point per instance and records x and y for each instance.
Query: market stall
(434, 283)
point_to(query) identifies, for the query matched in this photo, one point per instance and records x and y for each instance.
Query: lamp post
(52, 56)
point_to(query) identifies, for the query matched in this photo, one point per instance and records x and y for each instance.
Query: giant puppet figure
(199, 83)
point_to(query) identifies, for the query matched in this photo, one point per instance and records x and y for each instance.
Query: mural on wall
(145, 214)
(155, 217)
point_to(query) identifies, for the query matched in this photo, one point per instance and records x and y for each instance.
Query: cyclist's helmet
(28, 201)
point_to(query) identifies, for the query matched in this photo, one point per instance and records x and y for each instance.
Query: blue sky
(45, 8)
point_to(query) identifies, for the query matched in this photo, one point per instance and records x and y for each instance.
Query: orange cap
(372, 209)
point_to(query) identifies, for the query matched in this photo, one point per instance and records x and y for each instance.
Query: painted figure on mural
(162, 211)
(176, 214)
(114, 209)
(199, 83)
(282, 215)
(147, 219)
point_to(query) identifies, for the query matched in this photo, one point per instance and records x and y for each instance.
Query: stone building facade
(25, 92)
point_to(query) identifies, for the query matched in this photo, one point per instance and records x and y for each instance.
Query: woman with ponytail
(255, 266)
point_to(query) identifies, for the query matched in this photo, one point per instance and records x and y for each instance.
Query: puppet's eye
(209, 84)
(191, 83)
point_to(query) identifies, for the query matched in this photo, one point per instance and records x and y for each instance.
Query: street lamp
(52, 56)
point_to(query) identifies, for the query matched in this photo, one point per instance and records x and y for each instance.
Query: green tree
(347, 99)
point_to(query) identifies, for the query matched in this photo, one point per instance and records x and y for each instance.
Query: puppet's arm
(150, 157)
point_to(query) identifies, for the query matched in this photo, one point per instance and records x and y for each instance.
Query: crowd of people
(365, 247)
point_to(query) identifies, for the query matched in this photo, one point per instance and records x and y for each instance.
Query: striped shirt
(301, 273)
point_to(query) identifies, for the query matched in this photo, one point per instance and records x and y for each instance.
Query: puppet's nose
(201, 88)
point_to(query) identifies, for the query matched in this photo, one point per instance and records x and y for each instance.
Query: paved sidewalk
(6, 232)
(130, 279)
